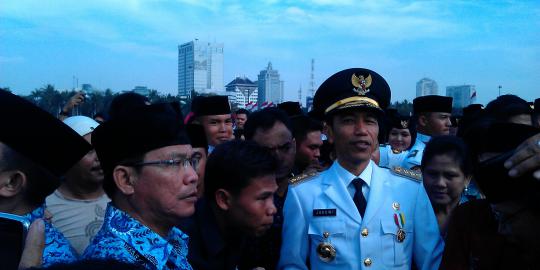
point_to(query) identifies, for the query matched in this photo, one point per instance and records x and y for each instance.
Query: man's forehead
(217, 117)
(173, 151)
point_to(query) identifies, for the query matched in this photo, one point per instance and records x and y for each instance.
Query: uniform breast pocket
(396, 245)
(327, 242)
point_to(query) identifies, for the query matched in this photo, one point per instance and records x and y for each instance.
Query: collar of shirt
(422, 137)
(146, 242)
(346, 177)
(36, 213)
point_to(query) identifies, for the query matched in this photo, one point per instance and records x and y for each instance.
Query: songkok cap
(211, 105)
(39, 136)
(507, 105)
(355, 87)
(145, 129)
(537, 105)
(489, 136)
(81, 124)
(291, 108)
(432, 103)
(126, 102)
(196, 135)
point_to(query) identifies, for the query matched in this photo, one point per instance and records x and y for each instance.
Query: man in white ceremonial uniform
(432, 114)
(357, 215)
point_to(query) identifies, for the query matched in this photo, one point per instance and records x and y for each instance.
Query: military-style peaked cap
(39, 136)
(355, 87)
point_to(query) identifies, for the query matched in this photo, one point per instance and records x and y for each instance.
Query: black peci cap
(355, 87)
(39, 136)
(536, 105)
(432, 103)
(211, 105)
(291, 108)
(399, 121)
(145, 129)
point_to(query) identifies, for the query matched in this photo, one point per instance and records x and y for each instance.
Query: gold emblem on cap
(395, 205)
(361, 84)
(404, 124)
(325, 250)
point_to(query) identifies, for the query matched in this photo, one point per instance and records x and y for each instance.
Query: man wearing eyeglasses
(150, 177)
(271, 128)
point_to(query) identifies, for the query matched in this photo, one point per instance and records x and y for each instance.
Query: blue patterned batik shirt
(57, 247)
(123, 238)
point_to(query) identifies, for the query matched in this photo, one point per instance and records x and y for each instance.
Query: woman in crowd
(501, 231)
(447, 171)
(400, 137)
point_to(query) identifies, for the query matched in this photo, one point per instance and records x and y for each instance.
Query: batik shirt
(123, 238)
(57, 248)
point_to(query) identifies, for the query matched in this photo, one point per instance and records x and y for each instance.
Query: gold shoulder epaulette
(301, 178)
(410, 174)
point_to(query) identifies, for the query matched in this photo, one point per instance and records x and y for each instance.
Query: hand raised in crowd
(526, 158)
(33, 246)
(75, 100)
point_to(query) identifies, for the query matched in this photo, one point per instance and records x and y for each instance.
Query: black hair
(265, 119)
(41, 183)
(302, 125)
(234, 164)
(109, 185)
(452, 146)
(242, 111)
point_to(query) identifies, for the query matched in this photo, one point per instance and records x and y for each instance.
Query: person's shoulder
(303, 178)
(403, 174)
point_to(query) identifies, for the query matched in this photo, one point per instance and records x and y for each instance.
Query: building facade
(270, 87)
(242, 91)
(200, 67)
(426, 86)
(463, 95)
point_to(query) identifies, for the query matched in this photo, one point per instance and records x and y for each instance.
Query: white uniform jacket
(414, 157)
(369, 243)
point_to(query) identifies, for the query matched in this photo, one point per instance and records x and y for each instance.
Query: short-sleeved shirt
(57, 248)
(123, 238)
(78, 220)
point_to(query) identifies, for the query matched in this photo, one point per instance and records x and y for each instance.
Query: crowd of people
(351, 184)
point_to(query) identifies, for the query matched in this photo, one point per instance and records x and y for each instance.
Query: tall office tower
(425, 87)
(270, 86)
(242, 91)
(200, 67)
(463, 95)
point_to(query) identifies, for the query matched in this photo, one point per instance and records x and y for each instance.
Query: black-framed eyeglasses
(185, 162)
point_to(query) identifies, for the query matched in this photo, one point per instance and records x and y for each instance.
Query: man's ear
(330, 134)
(12, 183)
(125, 178)
(223, 199)
(422, 120)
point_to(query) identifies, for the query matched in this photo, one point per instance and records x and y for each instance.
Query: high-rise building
(426, 87)
(270, 86)
(200, 67)
(242, 91)
(463, 95)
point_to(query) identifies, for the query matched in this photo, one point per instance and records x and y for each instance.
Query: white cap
(81, 124)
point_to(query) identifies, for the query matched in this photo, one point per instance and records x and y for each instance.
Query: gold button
(364, 232)
(367, 262)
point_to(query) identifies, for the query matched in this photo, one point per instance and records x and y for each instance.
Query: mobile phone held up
(13, 231)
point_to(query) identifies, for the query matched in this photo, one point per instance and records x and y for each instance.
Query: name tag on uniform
(324, 212)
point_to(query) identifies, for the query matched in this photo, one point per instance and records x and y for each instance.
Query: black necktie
(358, 198)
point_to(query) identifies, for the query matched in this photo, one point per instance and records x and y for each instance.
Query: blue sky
(119, 44)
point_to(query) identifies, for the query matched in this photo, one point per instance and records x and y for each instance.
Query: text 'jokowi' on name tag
(324, 212)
